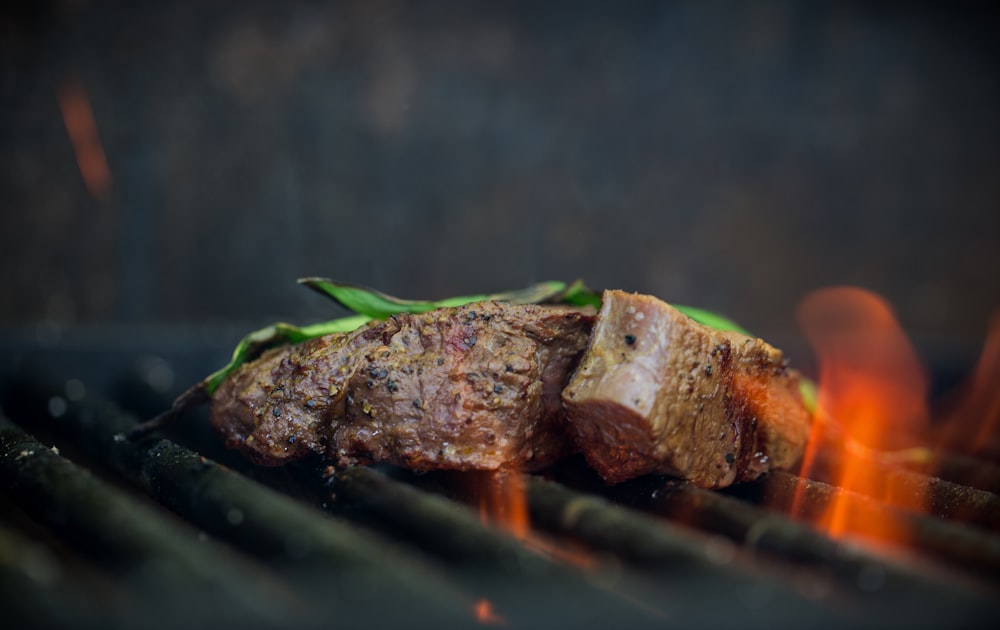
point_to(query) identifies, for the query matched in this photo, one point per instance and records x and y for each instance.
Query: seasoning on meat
(474, 387)
(657, 392)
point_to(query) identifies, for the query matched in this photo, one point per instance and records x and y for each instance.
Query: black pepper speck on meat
(657, 392)
(470, 388)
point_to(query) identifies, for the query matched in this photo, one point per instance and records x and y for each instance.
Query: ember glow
(485, 613)
(503, 503)
(872, 400)
(82, 130)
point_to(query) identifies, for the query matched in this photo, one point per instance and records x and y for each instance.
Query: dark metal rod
(328, 560)
(942, 498)
(152, 553)
(39, 585)
(948, 500)
(946, 541)
(770, 531)
(422, 516)
(603, 525)
(547, 591)
(966, 470)
(837, 581)
(694, 565)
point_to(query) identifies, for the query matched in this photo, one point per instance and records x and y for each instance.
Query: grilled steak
(474, 387)
(657, 392)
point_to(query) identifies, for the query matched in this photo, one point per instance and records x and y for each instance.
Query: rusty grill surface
(97, 531)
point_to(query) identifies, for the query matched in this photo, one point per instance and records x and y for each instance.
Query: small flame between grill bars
(98, 531)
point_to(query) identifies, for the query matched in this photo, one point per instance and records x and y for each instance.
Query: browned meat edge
(657, 392)
(475, 387)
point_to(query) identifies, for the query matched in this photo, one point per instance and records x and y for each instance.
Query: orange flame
(485, 613)
(872, 398)
(503, 502)
(82, 130)
(973, 425)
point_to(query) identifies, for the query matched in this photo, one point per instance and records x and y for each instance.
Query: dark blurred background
(179, 165)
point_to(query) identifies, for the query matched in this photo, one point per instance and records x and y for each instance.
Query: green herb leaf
(252, 345)
(810, 394)
(378, 305)
(578, 294)
(712, 320)
(366, 301)
(371, 304)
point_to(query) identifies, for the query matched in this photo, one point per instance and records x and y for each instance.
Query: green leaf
(252, 345)
(371, 304)
(810, 394)
(578, 294)
(550, 292)
(712, 320)
(378, 305)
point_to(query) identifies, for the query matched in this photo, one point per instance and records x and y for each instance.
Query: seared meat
(482, 387)
(475, 387)
(657, 392)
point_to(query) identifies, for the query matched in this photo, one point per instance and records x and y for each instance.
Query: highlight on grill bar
(100, 531)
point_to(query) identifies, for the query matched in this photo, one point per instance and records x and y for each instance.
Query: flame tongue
(872, 398)
(870, 378)
(504, 503)
(81, 127)
(973, 425)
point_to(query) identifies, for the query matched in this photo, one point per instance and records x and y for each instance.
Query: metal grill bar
(151, 553)
(298, 542)
(946, 541)
(657, 550)
(944, 498)
(966, 471)
(452, 530)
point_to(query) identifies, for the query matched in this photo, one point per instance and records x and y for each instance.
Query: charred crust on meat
(692, 381)
(484, 387)
(509, 399)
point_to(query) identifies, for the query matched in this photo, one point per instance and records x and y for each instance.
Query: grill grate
(186, 540)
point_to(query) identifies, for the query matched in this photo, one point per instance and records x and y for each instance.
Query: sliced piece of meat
(474, 387)
(657, 392)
